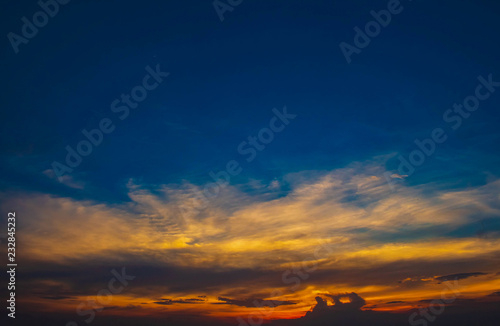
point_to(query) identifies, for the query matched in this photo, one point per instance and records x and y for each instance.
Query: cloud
(166, 303)
(355, 301)
(254, 303)
(348, 223)
(459, 276)
(180, 301)
(465, 312)
(351, 208)
(345, 314)
(66, 179)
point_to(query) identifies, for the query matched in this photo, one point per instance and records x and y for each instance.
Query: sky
(247, 161)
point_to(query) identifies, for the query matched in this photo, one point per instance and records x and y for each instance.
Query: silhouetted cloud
(462, 312)
(343, 313)
(254, 303)
(166, 303)
(459, 276)
(355, 301)
(181, 301)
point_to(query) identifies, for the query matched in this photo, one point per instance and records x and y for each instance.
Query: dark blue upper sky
(225, 79)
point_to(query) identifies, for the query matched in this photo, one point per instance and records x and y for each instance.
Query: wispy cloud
(375, 237)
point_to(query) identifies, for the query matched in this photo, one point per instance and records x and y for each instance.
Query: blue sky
(225, 77)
